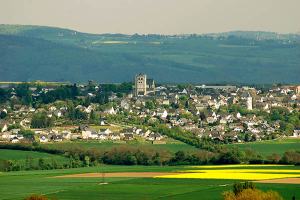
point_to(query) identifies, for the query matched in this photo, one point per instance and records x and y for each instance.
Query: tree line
(125, 155)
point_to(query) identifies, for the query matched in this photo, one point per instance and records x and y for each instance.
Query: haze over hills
(54, 54)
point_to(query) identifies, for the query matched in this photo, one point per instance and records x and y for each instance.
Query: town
(46, 113)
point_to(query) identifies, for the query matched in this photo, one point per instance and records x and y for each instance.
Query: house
(52, 108)
(184, 91)
(128, 136)
(3, 127)
(76, 136)
(66, 135)
(211, 120)
(43, 139)
(162, 114)
(102, 123)
(223, 121)
(14, 140)
(166, 102)
(57, 113)
(110, 111)
(86, 134)
(296, 133)
(6, 136)
(20, 137)
(124, 104)
(56, 138)
(155, 136)
(238, 129)
(83, 127)
(105, 131)
(102, 136)
(89, 109)
(93, 135)
(114, 136)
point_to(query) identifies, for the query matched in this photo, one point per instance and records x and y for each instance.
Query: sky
(155, 16)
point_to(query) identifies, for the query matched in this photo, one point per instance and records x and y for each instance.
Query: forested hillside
(43, 53)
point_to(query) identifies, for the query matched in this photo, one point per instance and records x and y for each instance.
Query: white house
(111, 111)
(296, 133)
(86, 134)
(3, 127)
(102, 136)
(114, 136)
(162, 114)
(105, 131)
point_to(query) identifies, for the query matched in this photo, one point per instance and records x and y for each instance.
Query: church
(143, 85)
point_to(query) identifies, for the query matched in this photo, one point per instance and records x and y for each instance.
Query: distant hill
(53, 54)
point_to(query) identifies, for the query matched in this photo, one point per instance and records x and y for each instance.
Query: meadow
(17, 185)
(265, 148)
(269, 147)
(23, 156)
(7, 154)
(171, 145)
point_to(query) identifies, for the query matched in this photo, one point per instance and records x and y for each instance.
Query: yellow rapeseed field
(214, 172)
(240, 166)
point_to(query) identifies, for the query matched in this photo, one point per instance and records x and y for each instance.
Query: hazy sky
(155, 16)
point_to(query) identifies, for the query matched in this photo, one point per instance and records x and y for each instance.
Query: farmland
(269, 147)
(265, 148)
(171, 145)
(29, 160)
(40, 182)
(7, 154)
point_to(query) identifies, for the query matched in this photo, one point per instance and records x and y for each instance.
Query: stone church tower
(140, 84)
(143, 86)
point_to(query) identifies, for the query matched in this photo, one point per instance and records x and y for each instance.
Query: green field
(17, 185)
(171, 145)
(263, 147)
(7, 154)
(21, 156)
(269, 147)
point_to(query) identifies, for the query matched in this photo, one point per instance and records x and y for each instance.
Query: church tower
(141, 84)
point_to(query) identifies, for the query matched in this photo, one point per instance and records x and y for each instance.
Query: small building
(43, 139)
(296, 133)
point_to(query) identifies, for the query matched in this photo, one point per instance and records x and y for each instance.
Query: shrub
(291, 157)
(252, 194)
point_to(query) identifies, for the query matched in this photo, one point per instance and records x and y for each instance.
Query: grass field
(16, 185)
(7, 154)
(269, 147)
(21, 156)
(171, 145)
(264, 147)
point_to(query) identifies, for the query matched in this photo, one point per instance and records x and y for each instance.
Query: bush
(239, 187)
(252, 194)
(291, 157)
(232, 156)
(248, 191)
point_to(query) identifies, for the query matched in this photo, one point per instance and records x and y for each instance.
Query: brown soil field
(117, 174)
(282, 180)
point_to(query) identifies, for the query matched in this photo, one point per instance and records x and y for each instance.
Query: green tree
(41, 120)
(2, 114)
(28, 134)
